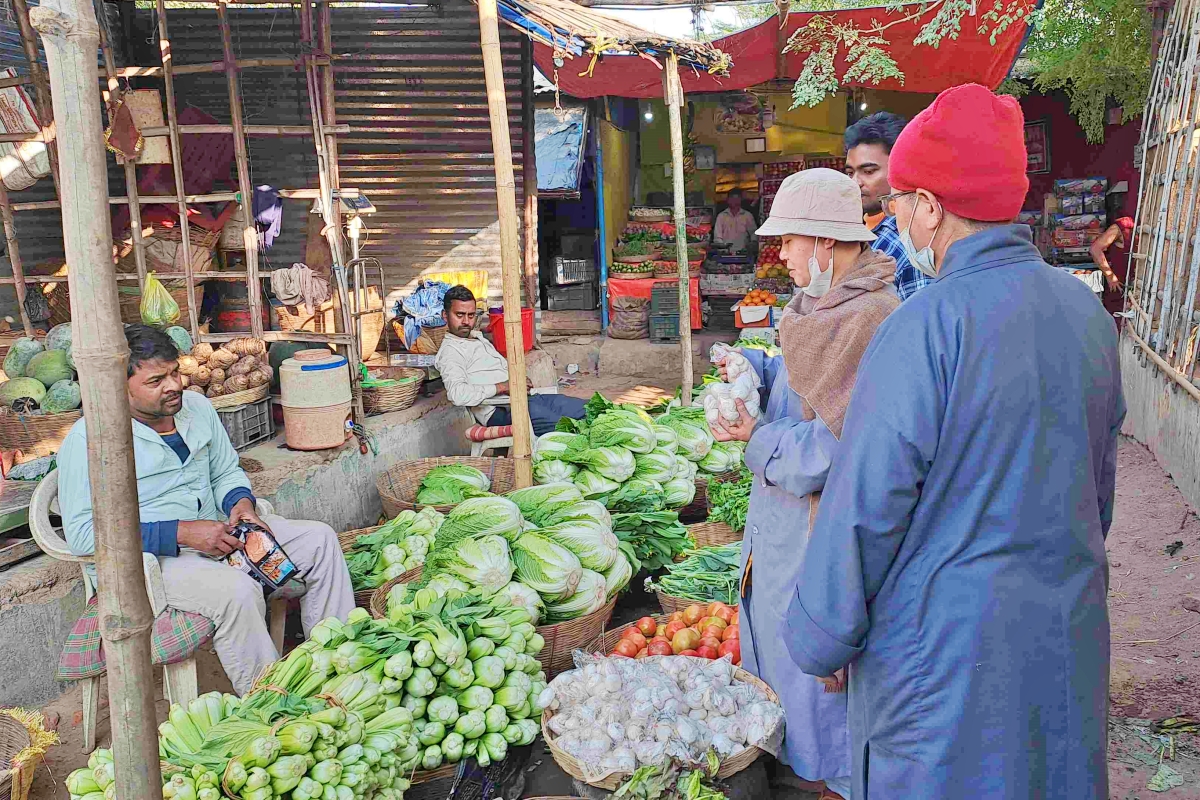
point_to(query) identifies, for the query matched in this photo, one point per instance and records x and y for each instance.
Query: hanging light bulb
(862, 107)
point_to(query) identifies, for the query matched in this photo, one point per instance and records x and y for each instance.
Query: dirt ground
(1156, 642)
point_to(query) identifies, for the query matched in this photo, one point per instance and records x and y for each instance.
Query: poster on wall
(1037, 148)
(740, 113)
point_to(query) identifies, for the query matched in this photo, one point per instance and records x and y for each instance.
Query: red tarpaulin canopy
(970, 58)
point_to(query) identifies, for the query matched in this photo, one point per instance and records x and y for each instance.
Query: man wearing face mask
(957, 563)
(846, 291)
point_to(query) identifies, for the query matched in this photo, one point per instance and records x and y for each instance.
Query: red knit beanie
(968, 149)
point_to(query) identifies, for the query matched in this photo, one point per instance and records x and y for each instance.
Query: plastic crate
(664, 298)
(664, 327)
(569, 271)
(583, 297)
(248, 424)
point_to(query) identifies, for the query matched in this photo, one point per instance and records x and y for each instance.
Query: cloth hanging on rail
(268, 213)
(297, 284)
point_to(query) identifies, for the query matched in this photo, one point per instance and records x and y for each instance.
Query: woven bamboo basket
(362, 598)
(398, 486)
(379, 597)
(729, 767)
(380, 400)
(564, 638)
(23, 742)
(241, 398)
(433, 784)
(324, 319)
(711, 534)
(428, 343)
(35, 436)
(670, 604)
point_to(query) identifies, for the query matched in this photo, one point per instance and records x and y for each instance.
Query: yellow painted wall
(617, 147)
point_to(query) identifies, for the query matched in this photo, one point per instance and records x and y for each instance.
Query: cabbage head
(667, 438)
(553, 471)
(452, 483)
(621, 428)
(686, 469)
(589, 539)
(584, 509)
(518, 595)
(553, 445)
(637, 496)
(658, 466)
(589, 597)
(617, 576)
(547, 567)
(480, 516)
(695, 440)
(483, 563)
(721, 459)
(539, 503)
(615, 463)
(678, 492)
(592, 484)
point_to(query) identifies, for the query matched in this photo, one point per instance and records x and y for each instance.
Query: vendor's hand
(208, 536)
(835, 682)
(739, 431)
(1114, 283)
(244, 511)
(502, 387)
(722, 369)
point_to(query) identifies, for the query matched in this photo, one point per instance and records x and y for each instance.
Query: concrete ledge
(338, 486)
(40, 601)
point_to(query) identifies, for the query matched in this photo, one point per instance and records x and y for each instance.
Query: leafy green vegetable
(655, 538)
(547, 567)
(539, 503)
(589, 539)
(731, 500)
(705, 575)
(657, 466)
(589, 596)
(554, 471)
(615, 463)
(637, 495)
(592, 484)
(451, 484)
(623, 428)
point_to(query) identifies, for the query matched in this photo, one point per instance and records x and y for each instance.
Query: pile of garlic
(720, 399)
(616, 714)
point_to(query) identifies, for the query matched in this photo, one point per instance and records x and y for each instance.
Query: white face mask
(921, 259)
(818, 281)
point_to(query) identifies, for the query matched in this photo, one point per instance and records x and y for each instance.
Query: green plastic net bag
(158, 307)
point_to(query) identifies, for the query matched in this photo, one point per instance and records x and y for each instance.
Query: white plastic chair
(179, 680)
(487, 445)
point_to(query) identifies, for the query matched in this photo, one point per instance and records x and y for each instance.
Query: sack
(158, 307)
(630, 318)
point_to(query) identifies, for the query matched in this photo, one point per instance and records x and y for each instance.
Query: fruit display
(781, 169)
(759, 297)
(632, 270)
(701, 631)
(41, 375)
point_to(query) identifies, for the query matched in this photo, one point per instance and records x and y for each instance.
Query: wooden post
(510, 252)
(168, 61)
(673, 91)
(41, 87)
(14, 258)
(68, 29)
(131, 191)
(250, 232)
(529, 177)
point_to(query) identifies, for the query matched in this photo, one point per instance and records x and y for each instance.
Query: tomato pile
(701, 631)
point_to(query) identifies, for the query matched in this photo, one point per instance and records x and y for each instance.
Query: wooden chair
(179, 680)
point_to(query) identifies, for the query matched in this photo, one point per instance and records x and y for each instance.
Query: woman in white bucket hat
(844, 291)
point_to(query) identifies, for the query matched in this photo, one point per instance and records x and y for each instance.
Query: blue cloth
(423, 309)
(908, 278)
(790, 459)
(545, 410)
(268, 213)
(957, 562)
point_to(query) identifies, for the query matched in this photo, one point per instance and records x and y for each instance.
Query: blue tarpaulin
(559, 137)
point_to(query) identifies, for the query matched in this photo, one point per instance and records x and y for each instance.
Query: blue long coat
(790, 459)
(957, 561)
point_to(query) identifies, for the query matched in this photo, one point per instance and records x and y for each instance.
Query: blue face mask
(921, 259)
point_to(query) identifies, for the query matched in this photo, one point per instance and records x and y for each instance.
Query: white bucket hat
(818, 202)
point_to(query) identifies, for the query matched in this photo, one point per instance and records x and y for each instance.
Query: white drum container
(316, 399)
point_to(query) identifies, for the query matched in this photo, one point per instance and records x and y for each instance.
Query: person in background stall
(1119, 233)
(868, 150)
(846, 292)
(957, 561)
(473, 371)
(735, 225)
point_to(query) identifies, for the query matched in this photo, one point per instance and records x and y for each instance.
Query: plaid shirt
(908, 278)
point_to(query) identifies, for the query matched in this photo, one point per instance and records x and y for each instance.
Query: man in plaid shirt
(868, 146)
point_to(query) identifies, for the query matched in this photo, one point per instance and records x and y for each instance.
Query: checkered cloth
(176, 636)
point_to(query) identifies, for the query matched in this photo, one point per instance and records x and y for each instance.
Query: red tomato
(658, 648)
(660, 639)
(661, 630)
(676, 617)
(647, 626)
(714, 622)
(693, 614)
(712, 631)
(636, 637)
(734, 619)
(674, 628)
(626, 648)
(686, 639)
(730, 633)
(732, 647)
(709, 641)
(641, 654)
(713, 608)
(707, 652)
(691, 653)
(726, 613)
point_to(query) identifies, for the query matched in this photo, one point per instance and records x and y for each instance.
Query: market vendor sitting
(735, 225)
(191, 491)
(474, 371)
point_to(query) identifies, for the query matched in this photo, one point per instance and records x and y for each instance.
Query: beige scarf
(824, 339)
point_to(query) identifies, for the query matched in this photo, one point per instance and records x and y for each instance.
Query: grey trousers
(234, 601)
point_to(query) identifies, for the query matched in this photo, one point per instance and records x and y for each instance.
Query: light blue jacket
(166, 490)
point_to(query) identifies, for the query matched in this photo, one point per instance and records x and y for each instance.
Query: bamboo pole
(41, 87)
(14, 258)
(529, 176)
(168, 61)
(673, 91)
(250, 232)
(135, 209)
(68, 29)
(510, 252)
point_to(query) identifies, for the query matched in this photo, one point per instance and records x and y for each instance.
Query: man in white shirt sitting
(473, 371)
(735, 225)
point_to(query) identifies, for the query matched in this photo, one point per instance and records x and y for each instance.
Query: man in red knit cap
(957, 560)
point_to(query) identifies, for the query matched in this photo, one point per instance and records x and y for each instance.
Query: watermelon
(19, 354)
(49, 367)
(59, 337)
(21, 389)
(62, 396)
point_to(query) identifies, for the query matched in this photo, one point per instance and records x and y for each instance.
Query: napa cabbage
(547, 567)
(617, 576)
(695, 439)
(585, 509)
(538, 503)
(615, 463)
(666, 438)
(622, 428)
(484, 563)
(678, 492)
(589, 597)
(657, 465)
(480, 516)
(591, 484)
(553, 445)
(452, 483)
(589, 539)
(637, 496)
(554, 471)
(518, 595)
